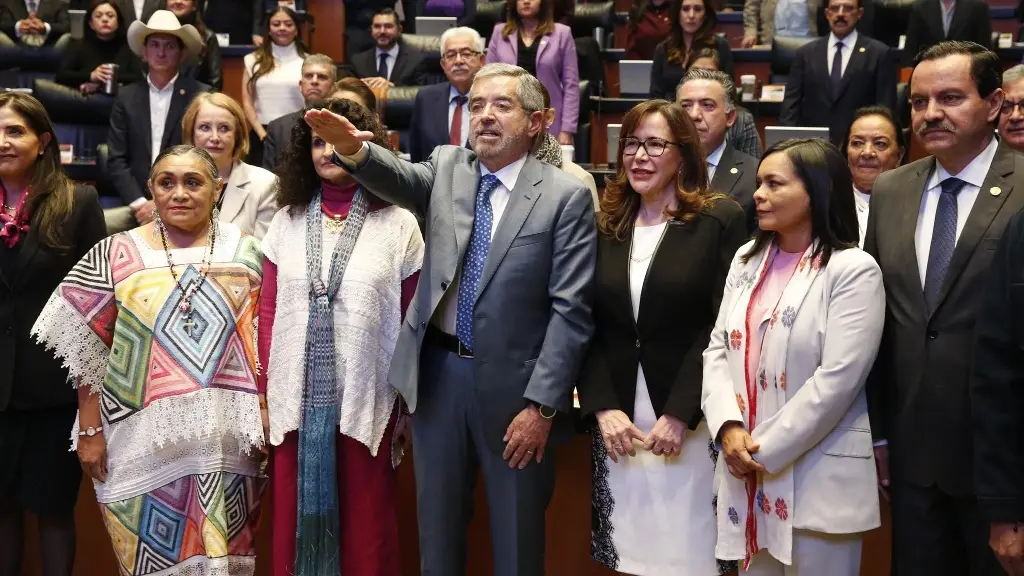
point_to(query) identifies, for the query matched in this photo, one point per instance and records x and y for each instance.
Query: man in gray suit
(494, 338)
(933, 228)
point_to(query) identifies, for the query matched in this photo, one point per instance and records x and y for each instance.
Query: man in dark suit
(34, 22)
(495, 337)
(933, 21)
(318, 75)
(131, 9)
(390, 62)
(154, 103)
(833, 76)
(709, 97)
(441, 112)
(932, 229)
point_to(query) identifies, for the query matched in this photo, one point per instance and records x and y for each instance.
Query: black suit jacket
(148, 7)
(128, 138)
(666, 76)
(971, 21)
(918, 387)
(429, 127)
(870, 79)
(207, 70)
(30, 375)
(736, 175)
(408, 68)
(279, 134)
(53, 12)
(678, 306)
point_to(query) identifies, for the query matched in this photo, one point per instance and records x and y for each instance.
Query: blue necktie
(943, 241)
(837, 67)
(382, 68)
(476, 257)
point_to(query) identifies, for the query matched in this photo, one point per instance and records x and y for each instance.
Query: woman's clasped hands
(619, 435)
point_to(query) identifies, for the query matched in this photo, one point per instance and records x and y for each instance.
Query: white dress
(277, 92)
(661, 520)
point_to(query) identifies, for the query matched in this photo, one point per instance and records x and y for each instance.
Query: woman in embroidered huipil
(157, 327)
(664, 250)
(796, 335)
(340, 267)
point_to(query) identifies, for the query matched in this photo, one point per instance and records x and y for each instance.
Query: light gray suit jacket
(249, 199)
(532, 319)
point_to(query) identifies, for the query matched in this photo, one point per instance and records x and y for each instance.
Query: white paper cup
(568, 153)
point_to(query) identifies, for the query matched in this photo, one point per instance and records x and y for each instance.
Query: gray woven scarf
(316, 545)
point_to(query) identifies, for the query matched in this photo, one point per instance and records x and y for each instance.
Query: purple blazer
(557, 70)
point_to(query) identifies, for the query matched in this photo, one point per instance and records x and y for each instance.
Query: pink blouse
(765, 298)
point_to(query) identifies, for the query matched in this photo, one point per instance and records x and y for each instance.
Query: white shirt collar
(973, 174)
(848, 42)
(165, 89)
(715, 157)
(509, 175)
(453, 92)
(862, 199)
(393, 53)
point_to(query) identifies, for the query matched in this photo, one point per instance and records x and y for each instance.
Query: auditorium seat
(581, 140)
(783, 52)
(397, 114)
(431, 48)
(20, 65)
(592, 15)
(487, 15)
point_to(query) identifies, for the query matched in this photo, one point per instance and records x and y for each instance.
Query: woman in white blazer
(216, 123)
(783, 392)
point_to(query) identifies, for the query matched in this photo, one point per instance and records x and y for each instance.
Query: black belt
(447, 341)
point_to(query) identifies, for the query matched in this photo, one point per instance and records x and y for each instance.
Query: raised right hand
(92, 454)
(618, 433)
(337, 131)
(737, 447)
(748, 41)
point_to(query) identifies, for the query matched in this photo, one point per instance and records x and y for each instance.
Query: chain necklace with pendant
(185, 301)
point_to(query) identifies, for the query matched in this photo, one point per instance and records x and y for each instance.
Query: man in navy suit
(835, 75)
(441, 113)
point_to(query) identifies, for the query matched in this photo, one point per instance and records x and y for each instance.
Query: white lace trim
(367, 316)
(206, 566)
(82, 351)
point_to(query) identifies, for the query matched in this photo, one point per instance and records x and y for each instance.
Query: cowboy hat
(164, 22)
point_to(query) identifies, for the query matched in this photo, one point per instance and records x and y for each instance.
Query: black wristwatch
(546, 412)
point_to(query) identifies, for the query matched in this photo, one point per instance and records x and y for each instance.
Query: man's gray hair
(715, 76)
(1013, 74)
(529, 91)
(321, 60)
(478, 41)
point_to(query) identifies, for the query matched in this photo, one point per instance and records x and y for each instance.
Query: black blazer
(148, 7)
(971, 21)
(918, 387)
(53, 12)
(997, 393)
(30, 375)
(207, 70)
(681, 296)
(279, 134)
(409, 68)
(736, 175)
(870, 79)
(128, 138)
(84, 55)
(429, 127)
(666, 76)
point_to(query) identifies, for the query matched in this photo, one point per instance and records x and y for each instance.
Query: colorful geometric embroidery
(782, 380)
(250, 254)
(734, 516)
(763, 502)
(129, 355)
(788, 316)
(735, 339)
(124, 257)
(741, 403)
(762, 380)
(781, 510)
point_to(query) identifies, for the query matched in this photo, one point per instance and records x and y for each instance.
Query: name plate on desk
(1005, 40)
(773, 92)
(67, 153)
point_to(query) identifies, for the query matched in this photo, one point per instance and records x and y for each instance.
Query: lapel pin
(733, 170)
(995, 190)
(182, 91)
(861, 49)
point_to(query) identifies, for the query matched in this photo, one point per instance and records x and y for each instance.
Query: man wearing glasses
(1011, 117)
(833, 76)
(441, 113)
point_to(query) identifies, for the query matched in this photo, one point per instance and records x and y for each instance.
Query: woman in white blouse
(215, 123)
(270, 83)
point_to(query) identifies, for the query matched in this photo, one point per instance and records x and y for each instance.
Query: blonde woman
(215, 122)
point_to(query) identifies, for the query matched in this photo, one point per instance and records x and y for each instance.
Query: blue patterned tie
(476, 257)
(837, 67)
(943, 241)
(382, 67)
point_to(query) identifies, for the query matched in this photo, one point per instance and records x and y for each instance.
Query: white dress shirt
(159, 106)
(392, 58)
(974, 176)
(848, 43)
(713, 159)
(452, 93)
(947, 15)
(29, 8)
(140, 6)
(863, 202)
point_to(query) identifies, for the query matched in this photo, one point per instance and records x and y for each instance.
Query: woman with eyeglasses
(692, 29)
(663, 252)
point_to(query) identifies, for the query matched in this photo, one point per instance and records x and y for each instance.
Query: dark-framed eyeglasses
(1010, 105)
(653, 146)
(465, 54)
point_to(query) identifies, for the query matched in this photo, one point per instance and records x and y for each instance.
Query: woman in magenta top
(532, 40)
(340, 269)
(798, 330)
